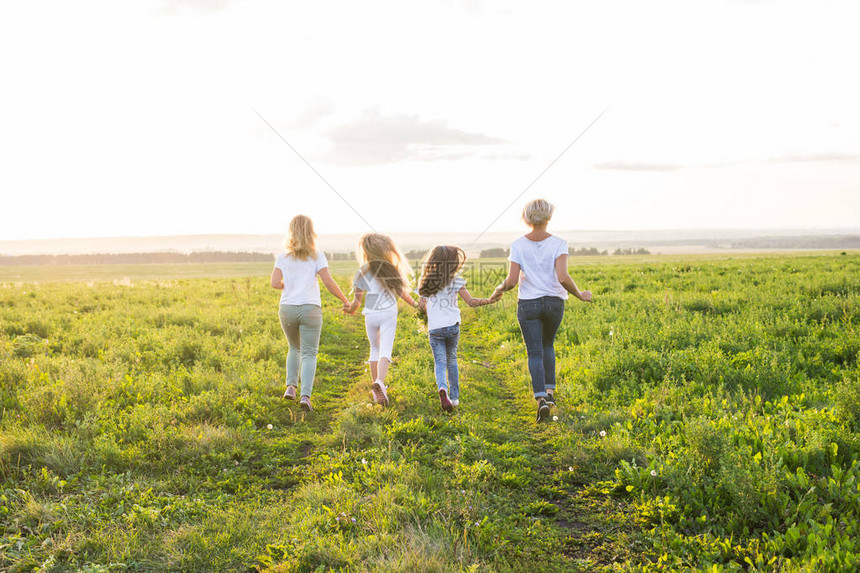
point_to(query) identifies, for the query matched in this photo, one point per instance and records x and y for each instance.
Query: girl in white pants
(382, 278)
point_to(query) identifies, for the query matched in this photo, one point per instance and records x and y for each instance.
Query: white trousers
(380, 327)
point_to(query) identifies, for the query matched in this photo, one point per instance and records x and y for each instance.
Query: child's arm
(404, 294)
(470, 300)
(350, 307)
(510, 282)
(567, 282)
(277, 280)
(332, 286)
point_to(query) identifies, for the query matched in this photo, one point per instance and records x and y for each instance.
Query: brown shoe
(446, 403)
(290, 394)
(305, 403)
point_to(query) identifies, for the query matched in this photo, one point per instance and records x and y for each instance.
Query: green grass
(709, 418)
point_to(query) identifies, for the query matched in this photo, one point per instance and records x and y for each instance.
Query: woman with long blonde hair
(383, 277)
(295, 275)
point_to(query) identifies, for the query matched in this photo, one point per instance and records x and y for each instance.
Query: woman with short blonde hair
(539, 267)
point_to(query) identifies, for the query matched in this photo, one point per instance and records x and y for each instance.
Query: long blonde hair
(301, 239)
(384, 262)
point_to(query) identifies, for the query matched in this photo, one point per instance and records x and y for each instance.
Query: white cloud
(376, 139)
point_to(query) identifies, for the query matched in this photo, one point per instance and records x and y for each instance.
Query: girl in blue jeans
(438, 288)
(539, 267)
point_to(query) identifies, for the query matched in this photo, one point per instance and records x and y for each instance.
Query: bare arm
(277, 279)
(470, 300)
(567, 282)
(404, 294)
(351, 307)
(510, 282)
(332, 286)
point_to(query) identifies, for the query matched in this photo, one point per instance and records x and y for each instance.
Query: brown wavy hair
(440, 266)
(301, 239)
(384, 262)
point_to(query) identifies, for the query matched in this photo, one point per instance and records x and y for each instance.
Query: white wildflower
(653, 473)
(555, 418)
(270, 426)
(602, 433)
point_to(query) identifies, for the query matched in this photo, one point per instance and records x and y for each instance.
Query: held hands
(496, 296)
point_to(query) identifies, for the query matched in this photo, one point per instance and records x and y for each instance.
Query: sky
(231, 116)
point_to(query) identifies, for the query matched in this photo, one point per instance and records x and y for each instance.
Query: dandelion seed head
(270, 426)
(602, 433)
(653, 473)
(363, 461)
(555, 418)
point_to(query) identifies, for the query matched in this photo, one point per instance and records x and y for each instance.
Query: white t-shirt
(300, 278)
(442, 308)
(376, 298)
(537, 266)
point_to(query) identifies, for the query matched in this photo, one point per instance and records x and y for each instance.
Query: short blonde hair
(538, 212)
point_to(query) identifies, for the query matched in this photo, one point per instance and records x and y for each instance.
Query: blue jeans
(539, 320)
(443, 342)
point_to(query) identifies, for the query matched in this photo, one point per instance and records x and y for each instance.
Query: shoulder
(519, 244)
(560, 243)
(360, 274)
(458, 283)
(281, 258)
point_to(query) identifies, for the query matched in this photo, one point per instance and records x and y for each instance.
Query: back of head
(538, 212)
(384, 261)
(440, 266)
(301, 239)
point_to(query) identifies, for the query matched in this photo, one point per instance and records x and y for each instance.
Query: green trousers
(302, 324)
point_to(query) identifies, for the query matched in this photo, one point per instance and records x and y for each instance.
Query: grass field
(708, 418)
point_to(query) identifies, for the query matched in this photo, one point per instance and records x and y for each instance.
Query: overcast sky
(138, 118)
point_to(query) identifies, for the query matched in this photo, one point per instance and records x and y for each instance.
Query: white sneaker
(380, 396)
(455, 403)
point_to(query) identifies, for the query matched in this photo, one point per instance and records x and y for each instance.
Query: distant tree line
(810, 242)
(631, 252)
(586, 252)
(135, 258)
(496, 253)
(340, 256)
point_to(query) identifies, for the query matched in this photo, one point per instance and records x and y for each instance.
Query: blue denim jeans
(539, 320)
(443, 342)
